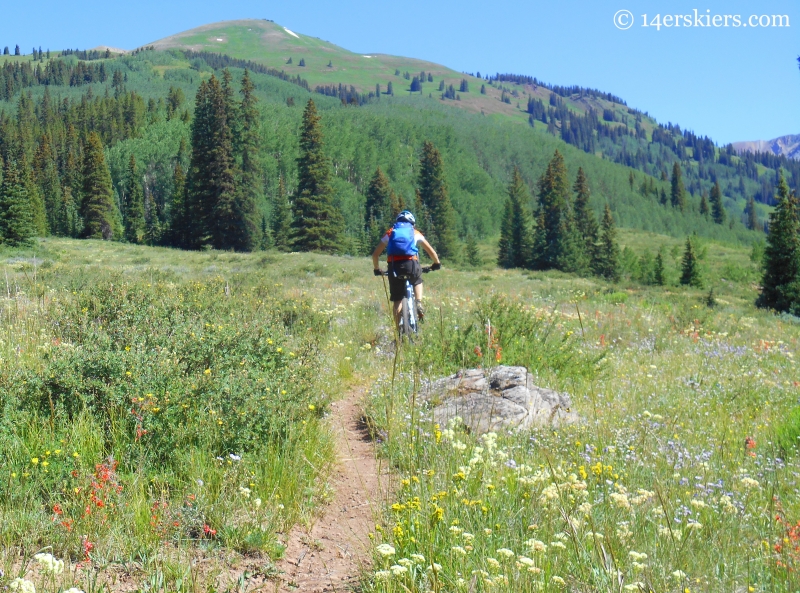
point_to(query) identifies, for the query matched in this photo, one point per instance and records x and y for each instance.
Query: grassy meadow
(164, 410)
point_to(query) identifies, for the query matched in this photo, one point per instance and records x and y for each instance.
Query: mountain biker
(402, 243)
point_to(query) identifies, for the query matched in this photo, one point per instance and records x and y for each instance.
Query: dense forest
(123, 133)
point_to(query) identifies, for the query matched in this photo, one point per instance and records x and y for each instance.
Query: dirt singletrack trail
(331, 555)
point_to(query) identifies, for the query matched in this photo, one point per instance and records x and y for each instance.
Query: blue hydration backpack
(402, 241)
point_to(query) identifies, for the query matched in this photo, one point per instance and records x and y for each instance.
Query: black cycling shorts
(399, 271)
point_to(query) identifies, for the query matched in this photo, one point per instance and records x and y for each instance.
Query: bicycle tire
(405, 319)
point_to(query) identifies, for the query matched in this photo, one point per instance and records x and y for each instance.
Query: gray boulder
(500, 398)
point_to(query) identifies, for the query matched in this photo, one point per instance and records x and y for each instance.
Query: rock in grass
(500, 398)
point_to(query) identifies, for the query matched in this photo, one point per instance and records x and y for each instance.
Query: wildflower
(73, 590)
(455, 530)
(405, 562)
(458, 550)
(749, 483)
(559, 545)
(697, 503)
(636, 586)
(22, 585)
(493, 563)
(620, 500)
(207, 372)
(257, 503)
(694, 525)
(524, 560)
(505, 552)
(679, 575)
(639, 566)
(397, 570)
(35, 461)
(558, 580)
(585, 508)
(244, 491)
(382, 575)
(418, 558)
(637, 555)
(435, 567)
(535, 545)
(385, 550)
(49, 563)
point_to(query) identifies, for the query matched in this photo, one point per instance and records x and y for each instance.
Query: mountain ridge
(788, 146)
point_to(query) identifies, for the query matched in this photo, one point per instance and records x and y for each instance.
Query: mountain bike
(408, 324)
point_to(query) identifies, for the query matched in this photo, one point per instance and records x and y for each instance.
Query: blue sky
(728, 83)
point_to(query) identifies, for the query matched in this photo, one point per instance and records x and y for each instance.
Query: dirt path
(332, 553)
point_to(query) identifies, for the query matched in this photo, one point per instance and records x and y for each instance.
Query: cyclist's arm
(429, 250)
(377, 254)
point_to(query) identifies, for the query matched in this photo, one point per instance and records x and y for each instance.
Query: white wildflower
(385, 550)
(22, 585)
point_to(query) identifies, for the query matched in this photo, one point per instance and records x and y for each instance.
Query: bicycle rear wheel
(406, 320)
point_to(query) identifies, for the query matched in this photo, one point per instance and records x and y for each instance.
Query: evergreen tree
(585, 222)
(266, 235)
(179, 224)
(16, 220)
(704, 210)
(677, 191)
(690, 267)
(378, 214)
(38, 214)
(317, 224)
(717, 209)
(246, 235)
(515, 229)
(436, 203)
(659, 273)
(211, 192)
(560, 241)
(134, 205)
(752, 215)
(608, 251)
(67, 220)
(46, 173)
(779, 286)
(98, 211)
(505, 248)
(472, 252)
(662, 197)
(631, 180)
(281, 221)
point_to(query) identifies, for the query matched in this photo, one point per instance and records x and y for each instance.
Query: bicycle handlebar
(425, 270)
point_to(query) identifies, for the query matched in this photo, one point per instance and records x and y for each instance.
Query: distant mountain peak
(788, 146)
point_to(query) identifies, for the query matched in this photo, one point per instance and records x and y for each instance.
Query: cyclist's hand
(377, 272)
(435, 267)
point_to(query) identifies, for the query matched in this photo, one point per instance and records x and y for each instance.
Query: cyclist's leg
(397, 309)
(418, 299)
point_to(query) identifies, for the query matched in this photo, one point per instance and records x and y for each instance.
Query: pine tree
(436, 203)
(472, 252)
(585, 222)
(779, 286)
(662, 197)
(752, 215)
(211, 191)
(659, 273)
(16, 220)
(378, 214)
(45, 170)
(246, 236)
(690, 267)
(677, 191)
(317, 224)
(99, 213)
(134, 205)
(38, 214)
(608, 250)
(631, 180)
(281, 220)
(179, 225)
(515, 229)
(717, 209)
(554, 203)
(266, 235)
(704, 210)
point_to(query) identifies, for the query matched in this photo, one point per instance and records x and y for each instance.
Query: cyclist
(402, 243)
